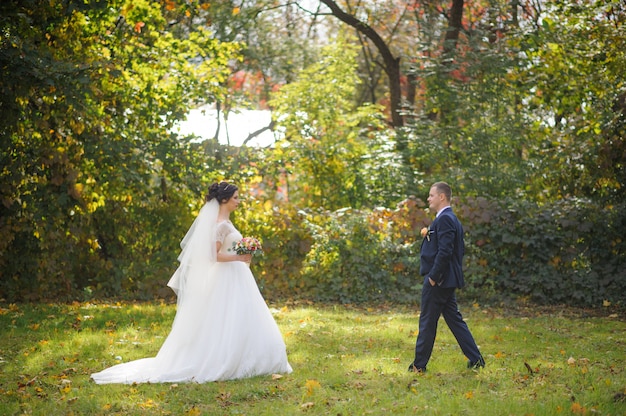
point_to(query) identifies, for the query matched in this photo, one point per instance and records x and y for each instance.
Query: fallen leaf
(194, 411)
(311, 385)
(577, 408)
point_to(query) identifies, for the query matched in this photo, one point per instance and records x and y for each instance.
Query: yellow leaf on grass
(311, 385)
(469, 395)
(148, 404)
(194, 411)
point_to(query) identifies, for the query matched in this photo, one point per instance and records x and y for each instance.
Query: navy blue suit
(441, 259)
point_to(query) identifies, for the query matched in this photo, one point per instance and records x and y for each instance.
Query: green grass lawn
(346, 360)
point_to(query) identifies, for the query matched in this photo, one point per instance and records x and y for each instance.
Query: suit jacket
(441, 255)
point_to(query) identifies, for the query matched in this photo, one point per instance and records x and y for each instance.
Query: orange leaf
(139, 26)
(170, 5)
(577, 408)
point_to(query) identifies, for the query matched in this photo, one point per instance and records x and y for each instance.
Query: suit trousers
(437, 301)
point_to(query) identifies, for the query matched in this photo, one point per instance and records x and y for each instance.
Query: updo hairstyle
(222, 192)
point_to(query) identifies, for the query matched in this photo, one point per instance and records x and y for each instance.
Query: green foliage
(286, 242)
(576, 99)
(91, 175)
(470, 128)
(364, 256)
(514, 250)
(547, 254)
(530, 109)
(338, 155)
(346, 360)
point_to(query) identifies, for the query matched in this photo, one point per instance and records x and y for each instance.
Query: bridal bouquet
(248, 245)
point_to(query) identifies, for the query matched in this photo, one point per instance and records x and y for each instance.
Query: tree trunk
(455, 22)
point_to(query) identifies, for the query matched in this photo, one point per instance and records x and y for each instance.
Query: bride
(223, 329)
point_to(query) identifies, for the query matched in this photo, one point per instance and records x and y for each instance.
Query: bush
(362, 256)
(286, 242)
(570, 252)
(546, 254)
(552, 254)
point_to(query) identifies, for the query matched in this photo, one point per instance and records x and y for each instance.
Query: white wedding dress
(223, 329)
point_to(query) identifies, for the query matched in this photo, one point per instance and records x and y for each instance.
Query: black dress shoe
(475, 365)
(414, 369)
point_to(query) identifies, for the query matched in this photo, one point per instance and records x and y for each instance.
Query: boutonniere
(426, 232)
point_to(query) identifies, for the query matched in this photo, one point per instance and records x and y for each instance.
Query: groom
(441, 262)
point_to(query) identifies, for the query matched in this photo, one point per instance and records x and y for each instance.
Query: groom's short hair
(444, 188)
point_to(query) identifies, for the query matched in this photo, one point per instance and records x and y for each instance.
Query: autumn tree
(93, 179)
(339, 155)
(575, 95)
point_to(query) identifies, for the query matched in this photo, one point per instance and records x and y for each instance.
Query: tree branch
(258, 132)
(391, 63)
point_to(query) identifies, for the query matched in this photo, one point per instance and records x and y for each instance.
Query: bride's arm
(221, 257)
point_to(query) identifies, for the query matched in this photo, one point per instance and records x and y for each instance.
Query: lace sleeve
(223, 229)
